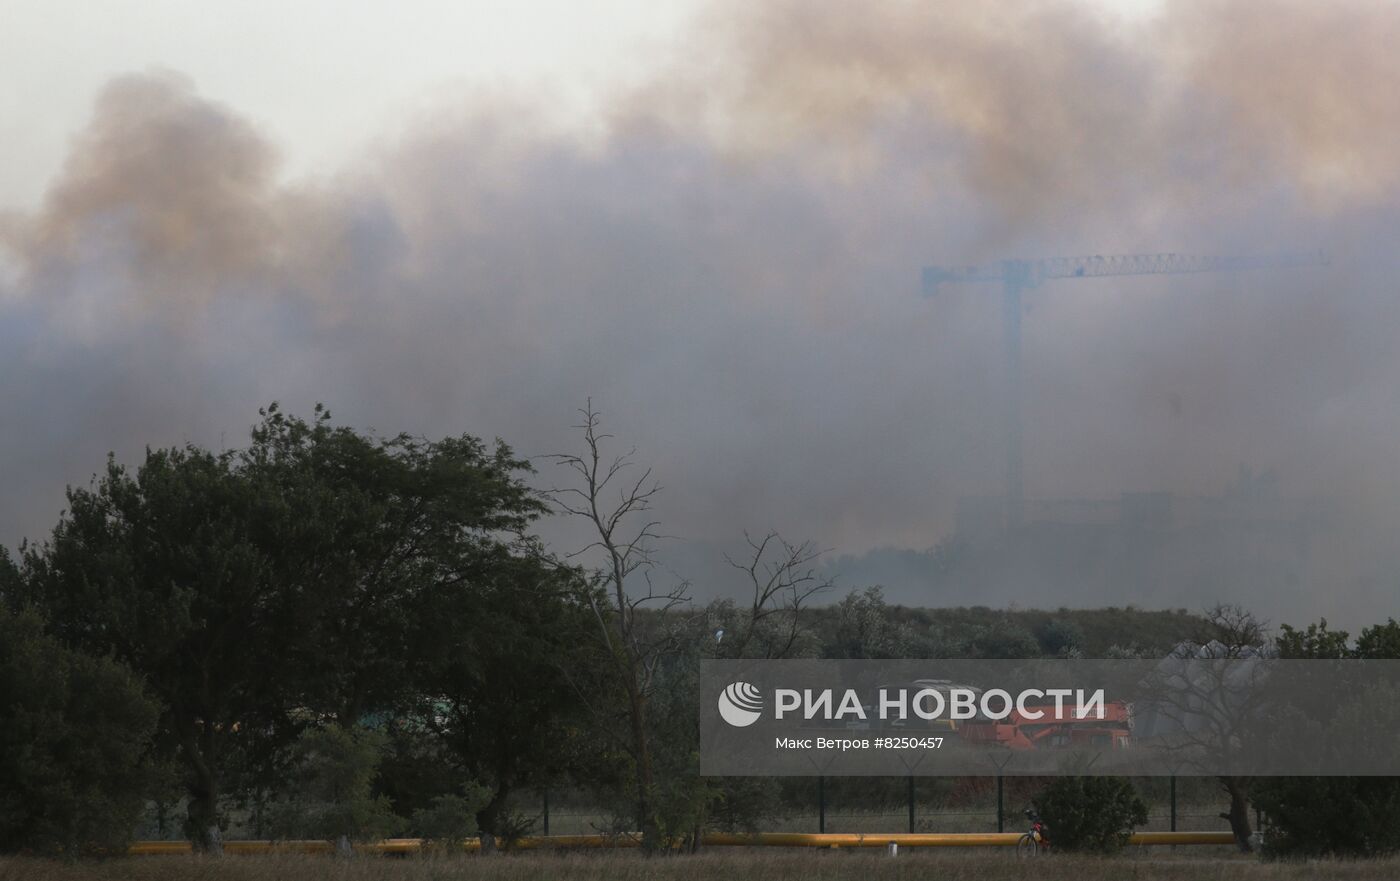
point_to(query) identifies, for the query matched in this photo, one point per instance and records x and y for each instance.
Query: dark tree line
(1334, 816)
(335, 634)
(276, 616)
(317, 577)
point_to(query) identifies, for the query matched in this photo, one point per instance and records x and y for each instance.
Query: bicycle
(1037, 840)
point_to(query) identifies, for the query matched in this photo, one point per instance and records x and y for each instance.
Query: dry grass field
(724, 865)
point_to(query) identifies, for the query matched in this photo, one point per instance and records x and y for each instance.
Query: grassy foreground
(727, 865)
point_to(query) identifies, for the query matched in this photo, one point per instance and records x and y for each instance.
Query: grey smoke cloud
(732, 273)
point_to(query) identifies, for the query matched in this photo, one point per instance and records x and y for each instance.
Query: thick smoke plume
(731, 274)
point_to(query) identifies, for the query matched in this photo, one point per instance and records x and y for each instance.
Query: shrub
(330, 795)
(1060, 635)
(450, 819)
(75, 735)
(1003, 638)
(1329, 816)
(1094, 814)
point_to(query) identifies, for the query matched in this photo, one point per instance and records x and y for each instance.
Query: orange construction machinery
(1041, 727)
(1053, 730)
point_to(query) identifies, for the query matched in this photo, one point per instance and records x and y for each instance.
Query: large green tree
(502, 671)
(374, 531)
(263, 590)
(1315, 642)
(168, 570)
(1333, 816)
(1379, 641)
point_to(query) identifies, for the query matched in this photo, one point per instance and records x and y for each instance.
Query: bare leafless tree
(615, 495)
(1233, 632)
(783, 581)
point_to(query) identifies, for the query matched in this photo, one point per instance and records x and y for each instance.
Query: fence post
(1001, 804)
(1173, 798)
(911, 804)
(546, 810)
(821, 805)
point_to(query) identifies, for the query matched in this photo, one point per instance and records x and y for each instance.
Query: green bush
(331, 790)
(1060, 635)
(1329, 816)
(1093, 814)
(75, 735)
(451, 819)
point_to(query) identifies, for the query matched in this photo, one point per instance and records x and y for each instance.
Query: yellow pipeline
(1180, 838)
(712, 839)
(387, 846)
(937, 839)
(851, 839)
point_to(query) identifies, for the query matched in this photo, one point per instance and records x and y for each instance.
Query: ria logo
(741, 704)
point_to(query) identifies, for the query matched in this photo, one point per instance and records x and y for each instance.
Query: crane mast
(1016, 276)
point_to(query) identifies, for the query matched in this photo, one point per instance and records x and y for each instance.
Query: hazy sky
(324, 79)
(711, 219)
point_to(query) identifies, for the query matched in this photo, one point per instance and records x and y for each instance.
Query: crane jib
(1029, 273)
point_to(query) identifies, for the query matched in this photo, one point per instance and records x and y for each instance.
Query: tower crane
(1017, 276)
